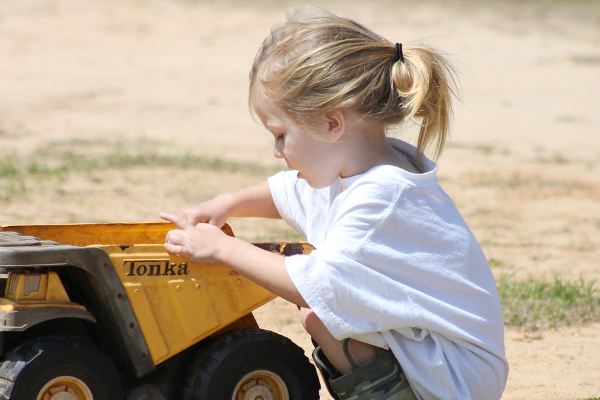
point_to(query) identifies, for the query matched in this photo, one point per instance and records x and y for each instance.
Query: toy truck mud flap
(142, 323)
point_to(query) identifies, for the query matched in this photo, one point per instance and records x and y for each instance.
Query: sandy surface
(168, 79)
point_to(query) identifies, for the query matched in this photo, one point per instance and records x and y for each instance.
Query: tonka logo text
(155, 268)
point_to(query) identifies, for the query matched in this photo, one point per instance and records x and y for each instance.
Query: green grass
(495, 263)
(533, 304)
(56, 163)
(483, 148)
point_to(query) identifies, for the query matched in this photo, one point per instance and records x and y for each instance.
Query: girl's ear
(336, 127)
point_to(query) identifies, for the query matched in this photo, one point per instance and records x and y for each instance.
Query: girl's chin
(300, 176)
(311, 183)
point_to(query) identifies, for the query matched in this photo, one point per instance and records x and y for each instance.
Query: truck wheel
(252, 364)
(57, 367)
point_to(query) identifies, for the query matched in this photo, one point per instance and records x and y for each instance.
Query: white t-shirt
(396, 266)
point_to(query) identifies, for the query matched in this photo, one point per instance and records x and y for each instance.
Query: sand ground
(84, 83)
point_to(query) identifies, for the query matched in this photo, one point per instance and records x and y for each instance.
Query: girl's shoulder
(381, 188)
(393, 175)
(385, 177)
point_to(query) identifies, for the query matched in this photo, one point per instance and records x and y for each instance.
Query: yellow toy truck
(103, 312)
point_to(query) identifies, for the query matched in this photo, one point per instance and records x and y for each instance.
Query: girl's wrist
(227, 203)
(228, 248)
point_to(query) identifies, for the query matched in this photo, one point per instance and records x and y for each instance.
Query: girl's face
(306, 149)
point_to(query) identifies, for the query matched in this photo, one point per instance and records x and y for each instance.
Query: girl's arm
(208, 244)
(254, 201)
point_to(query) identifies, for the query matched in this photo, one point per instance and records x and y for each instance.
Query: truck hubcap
(261, 385)
(65, 388)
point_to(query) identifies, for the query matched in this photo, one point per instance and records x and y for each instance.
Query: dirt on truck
(103, 312)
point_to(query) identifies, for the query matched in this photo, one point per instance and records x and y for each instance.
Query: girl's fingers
(194, 216)
(181, 223)
(175, 249)
(189, 241)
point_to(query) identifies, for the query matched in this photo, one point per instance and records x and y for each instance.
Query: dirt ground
(161, 81)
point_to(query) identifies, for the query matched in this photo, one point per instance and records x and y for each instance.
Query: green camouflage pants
(379, 379)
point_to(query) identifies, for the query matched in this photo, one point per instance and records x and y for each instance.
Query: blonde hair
(317, 62)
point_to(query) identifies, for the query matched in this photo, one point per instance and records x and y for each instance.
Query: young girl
(398, 294)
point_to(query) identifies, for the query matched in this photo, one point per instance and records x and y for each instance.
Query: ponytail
(317, 62)
(425, 82)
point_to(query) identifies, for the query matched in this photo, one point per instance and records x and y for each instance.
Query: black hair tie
(399, 55)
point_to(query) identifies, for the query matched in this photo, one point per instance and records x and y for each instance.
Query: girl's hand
(196, 242)
(208, 244)
(214, 212)
(254, 201)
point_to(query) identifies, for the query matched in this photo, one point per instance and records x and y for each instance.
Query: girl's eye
(279, 138)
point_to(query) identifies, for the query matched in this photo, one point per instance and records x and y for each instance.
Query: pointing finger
(181, 223)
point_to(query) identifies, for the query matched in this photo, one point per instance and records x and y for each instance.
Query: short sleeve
(287, 190)
(304, 208)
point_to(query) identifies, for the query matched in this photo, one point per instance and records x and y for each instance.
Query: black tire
(249, 364)
(57, 364)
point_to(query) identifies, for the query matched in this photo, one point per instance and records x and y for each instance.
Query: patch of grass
(532, 304)
(554, 159)
(56, 163)
(495, 263)
(122, 159)
(483, 148)
(516, 180)
(76, 155)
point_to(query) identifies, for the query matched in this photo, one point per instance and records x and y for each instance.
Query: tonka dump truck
(103, 312)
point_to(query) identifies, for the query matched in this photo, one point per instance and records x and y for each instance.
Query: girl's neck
(366, 147)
